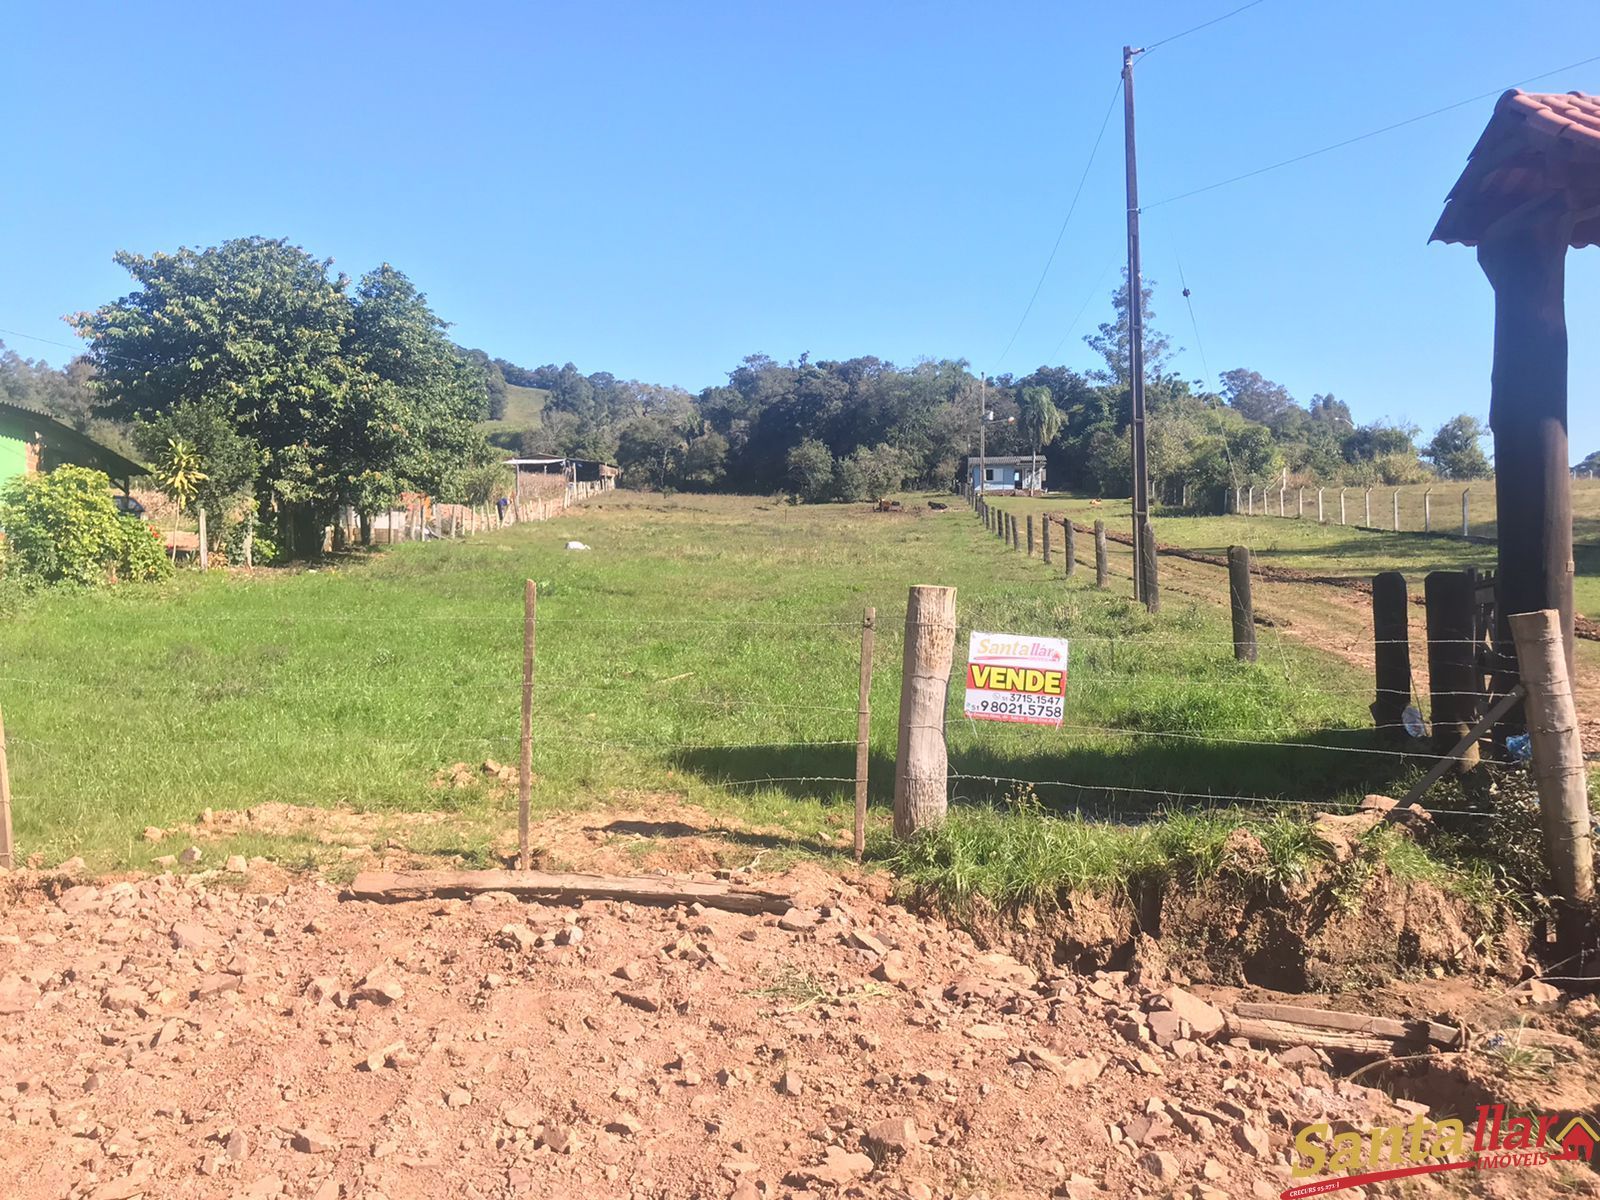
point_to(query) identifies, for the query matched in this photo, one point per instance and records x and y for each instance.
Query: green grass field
(524, 405)
(704, 644)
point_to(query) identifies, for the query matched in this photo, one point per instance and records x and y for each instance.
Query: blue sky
(660, 189)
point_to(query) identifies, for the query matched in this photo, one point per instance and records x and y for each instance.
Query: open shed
(32, 441)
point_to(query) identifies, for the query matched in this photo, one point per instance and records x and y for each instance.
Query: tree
(811, 470)
(228, 457)
(649, 446)
(179, 471)
(1455, 451)
(1256, 397)
(255, 329)
(1113, 339)
(347, 400)
(1041, 419)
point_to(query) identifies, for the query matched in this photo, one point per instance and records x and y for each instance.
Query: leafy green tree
(1456, 450)
(1113, 339)
(649, 446)
(810, 470)
(230, 459)
(255, 329)
(1254, 396)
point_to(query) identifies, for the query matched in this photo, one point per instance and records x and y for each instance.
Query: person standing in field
(500, 504)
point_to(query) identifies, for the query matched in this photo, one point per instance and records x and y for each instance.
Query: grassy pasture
(523, 408)
(704, 644)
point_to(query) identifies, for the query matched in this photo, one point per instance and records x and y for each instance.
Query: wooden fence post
(1465, 529)
(1244, 621)
(8, 850)
(1102, 572)
(1391, 647)
(1030, 535)
(1557, 765)
(204, 550)
(1397, 510)
(921, 768)
(1016, 533)
(1071, 549)
(1454, 678)
(1320, 519)
(869, 630)
(1045, 533)
(1368, 499)
(1341, 506)
(1427, 511)
(530, 609)
(1300, 503)
(1152, 585)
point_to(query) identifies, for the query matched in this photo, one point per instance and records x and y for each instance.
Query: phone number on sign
(1049, 708)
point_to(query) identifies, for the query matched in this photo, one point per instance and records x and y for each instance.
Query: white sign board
(1016, 677)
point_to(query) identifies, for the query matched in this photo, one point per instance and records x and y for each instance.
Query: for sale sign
(1015, 677)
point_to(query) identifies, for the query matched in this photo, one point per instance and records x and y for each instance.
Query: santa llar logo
(1427, 1147)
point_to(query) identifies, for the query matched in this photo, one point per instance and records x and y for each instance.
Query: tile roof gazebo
(1531, 189)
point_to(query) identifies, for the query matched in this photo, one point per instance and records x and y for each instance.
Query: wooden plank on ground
(1285, 1018)
(541, 885)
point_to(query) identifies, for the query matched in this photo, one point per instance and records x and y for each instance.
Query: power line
(1203, 25)
(1361, 137)
(1072, 208)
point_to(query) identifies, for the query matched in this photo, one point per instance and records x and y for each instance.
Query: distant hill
(524, 406)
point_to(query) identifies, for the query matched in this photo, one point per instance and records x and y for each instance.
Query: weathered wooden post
(1397, 510)
(1244, 622)
(204, 549)
(1102, 572)
(1557, 765)
(1454, 679)
(1341, 506)
(869, 628)
(1147, 548)
(1321, 520)
(1030, 535)
(1071, 547)
(1016, 534)
(1045, 533)
(921, 768)
(1466, 528)
(530, 609)
(1367, 499)
(1300, 504)
(8, 850)
(1427, 511)
(1391, 646)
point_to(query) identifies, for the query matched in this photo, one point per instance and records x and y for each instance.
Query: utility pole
(983, 420)
(1144, 587)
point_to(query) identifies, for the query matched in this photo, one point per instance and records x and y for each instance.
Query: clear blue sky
(658, 190)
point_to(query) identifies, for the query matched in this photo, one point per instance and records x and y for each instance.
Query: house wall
(14, 443)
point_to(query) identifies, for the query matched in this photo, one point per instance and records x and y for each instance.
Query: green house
(33, 441)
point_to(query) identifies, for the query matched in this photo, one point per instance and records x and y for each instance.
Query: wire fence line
(810, 734)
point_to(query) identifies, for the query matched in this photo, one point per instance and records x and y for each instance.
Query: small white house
(1006, 473)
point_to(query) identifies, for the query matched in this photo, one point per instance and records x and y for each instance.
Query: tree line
(859, 427)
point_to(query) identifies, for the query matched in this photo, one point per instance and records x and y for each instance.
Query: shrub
(62, 527)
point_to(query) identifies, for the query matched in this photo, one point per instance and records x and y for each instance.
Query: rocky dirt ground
(191, 1036)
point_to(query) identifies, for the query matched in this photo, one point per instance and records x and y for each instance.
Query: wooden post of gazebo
(1530, 189)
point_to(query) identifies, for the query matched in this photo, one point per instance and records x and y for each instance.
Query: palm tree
(180, 476)
(1042, 419)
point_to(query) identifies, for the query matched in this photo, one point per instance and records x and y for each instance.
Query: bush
(62, 527)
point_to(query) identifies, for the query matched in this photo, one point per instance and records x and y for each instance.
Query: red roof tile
(1536, 145)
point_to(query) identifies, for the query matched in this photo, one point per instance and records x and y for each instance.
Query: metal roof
(1538, 159)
